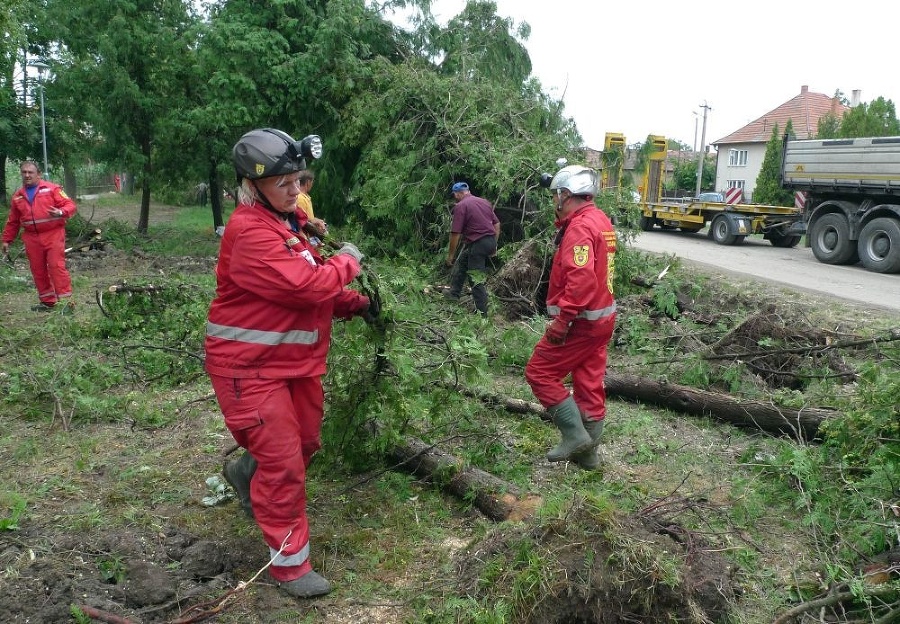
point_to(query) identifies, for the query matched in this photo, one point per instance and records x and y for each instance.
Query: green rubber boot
(590, 459)
(575, 439)
(238, 473)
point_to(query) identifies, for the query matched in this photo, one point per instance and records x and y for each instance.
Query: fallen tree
(802, 424)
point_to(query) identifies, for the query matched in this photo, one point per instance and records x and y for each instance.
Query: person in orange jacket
(581, 302)
(40, 210)
(315, 228)
(267, 339)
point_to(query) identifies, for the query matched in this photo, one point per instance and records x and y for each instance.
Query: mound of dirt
(611, 576)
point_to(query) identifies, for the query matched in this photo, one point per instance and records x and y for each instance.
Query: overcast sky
(642, 67)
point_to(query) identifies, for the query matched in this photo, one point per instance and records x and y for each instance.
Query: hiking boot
(43, 307)
(238, 474)
(309, 585)
(575, 439)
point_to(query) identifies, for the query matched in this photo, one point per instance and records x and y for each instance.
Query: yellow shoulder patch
(581, 253)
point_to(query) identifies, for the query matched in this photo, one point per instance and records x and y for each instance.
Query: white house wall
(748, 173)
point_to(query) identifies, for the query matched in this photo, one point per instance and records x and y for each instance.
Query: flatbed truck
(729, 224)
(852, 198)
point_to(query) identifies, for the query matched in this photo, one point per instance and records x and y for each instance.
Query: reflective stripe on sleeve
(588, 315)
(256, 336)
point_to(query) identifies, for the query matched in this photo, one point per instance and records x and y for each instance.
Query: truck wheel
(721, 233)
(879, 245)
(830, 240)
(646, 223)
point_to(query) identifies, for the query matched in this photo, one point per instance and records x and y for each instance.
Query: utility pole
(706, 108)
(41, 67)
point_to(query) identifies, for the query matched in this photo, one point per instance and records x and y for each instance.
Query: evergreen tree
(768, 183)
(124, 69)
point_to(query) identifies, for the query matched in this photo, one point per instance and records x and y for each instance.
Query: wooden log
(496, 498)
(801, 424)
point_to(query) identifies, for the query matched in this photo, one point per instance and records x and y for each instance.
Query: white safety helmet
(576, 179)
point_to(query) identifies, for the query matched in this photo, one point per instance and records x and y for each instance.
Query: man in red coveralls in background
(40, 209)
(580, 300)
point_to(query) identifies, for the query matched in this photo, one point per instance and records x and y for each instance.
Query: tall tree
(478, 43)
(125, 67)
(768, 183)
(15, 131)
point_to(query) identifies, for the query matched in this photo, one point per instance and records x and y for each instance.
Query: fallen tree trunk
(802, 424)
(496, 498)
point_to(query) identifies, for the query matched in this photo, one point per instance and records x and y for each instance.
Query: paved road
(796, 268)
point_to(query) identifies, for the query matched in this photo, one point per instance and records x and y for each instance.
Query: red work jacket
(581, 279)
(35, 217)
(275, 300)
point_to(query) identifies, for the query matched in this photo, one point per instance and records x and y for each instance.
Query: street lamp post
(41, 67)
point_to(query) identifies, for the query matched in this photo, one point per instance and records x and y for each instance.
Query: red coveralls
(580, 292)
(44, 237)
(267, 341)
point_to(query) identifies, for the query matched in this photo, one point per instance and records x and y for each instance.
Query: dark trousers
(471, 266)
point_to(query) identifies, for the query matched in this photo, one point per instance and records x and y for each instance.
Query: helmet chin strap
(265, 200)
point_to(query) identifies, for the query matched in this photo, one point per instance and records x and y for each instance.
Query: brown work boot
(309, 585)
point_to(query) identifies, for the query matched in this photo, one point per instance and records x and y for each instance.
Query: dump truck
(729, 224)
(850, 190)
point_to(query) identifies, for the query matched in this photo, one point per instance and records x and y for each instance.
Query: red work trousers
(584, 356)
(279, 422)
(46, 253)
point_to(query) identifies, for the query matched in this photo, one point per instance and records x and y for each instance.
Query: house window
(737, 158)
(736, 184)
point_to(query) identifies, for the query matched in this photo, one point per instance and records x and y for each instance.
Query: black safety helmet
(268, 152)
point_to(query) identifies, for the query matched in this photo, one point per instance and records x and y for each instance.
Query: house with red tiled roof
(740, 154)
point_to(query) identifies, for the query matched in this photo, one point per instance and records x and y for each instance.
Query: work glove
(350, 249)
(362, 305)
(366, 310)
(556, 332)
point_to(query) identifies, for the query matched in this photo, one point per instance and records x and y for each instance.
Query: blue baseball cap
(459, 186)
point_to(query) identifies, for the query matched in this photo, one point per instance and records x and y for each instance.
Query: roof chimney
(804, 89)
(855, 97)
